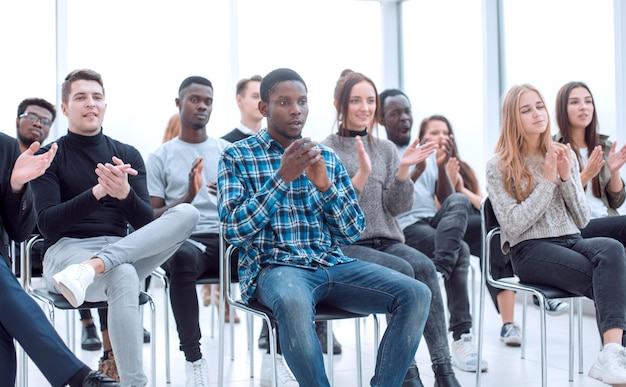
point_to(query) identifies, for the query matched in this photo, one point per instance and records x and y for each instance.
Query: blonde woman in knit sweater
(535, 188)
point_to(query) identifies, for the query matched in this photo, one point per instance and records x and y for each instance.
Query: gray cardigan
(551, 210)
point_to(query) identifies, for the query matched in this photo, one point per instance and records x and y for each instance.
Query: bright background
(144, 49)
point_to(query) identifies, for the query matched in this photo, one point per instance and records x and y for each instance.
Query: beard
(25, 141)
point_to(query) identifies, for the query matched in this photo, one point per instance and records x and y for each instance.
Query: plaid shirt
(276, 222)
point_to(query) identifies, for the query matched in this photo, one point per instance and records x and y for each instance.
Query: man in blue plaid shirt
(289, 204)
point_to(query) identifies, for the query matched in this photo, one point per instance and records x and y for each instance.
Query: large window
(443, 70)
(550, 43)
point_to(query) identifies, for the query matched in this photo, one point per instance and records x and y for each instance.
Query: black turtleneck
(64, 201)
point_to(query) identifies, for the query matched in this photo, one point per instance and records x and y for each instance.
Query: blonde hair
(172, 130)
(512, 145)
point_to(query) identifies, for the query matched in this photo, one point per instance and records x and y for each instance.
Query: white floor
(506, 368)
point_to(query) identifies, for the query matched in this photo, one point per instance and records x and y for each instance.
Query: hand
(563, 160)
(195, 180)
(594, 165)
(549, 165)
(212, 187)
(365, 165)
(616, 159)
(444, 151)
(453, 167)
(417, 154)
(29, 166)
(298, 157)
(113, 179)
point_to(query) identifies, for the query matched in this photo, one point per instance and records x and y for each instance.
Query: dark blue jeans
(22, 319)
(441, 238)
(410, 262)
(292, 293)
(593, 267)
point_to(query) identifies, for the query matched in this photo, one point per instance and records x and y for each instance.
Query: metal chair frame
(323, 313)
(53, 300)
(491, 229)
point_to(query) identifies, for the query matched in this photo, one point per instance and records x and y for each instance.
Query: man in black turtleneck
(93, 191)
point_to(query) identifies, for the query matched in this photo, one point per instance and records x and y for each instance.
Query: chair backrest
(490, 231)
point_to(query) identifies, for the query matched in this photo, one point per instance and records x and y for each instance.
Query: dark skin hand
(302, 155)
(195, 183)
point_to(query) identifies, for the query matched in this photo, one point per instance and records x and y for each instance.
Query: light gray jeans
(128, 261)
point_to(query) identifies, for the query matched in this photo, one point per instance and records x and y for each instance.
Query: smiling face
(398, 119)
(532, 114)
(361, 107)
(286, 111)
(580, 108)
(29, 131)
(85, 107)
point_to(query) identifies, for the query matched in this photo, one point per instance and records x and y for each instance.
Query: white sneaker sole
(598, 372)
(466, 368)
(65, 291)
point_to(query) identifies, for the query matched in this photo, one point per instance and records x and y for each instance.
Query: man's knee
(457, 201)
(185, 258)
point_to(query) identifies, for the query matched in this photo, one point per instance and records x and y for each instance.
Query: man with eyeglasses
(34, 119)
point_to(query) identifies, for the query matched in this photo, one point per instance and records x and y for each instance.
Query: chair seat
(61, 303)
(323, 312)
(546, 290)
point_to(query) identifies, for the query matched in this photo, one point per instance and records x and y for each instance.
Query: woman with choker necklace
(384, 189)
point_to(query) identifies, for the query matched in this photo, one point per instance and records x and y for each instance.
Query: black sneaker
(511, 334)
(96, 379)
(554, 307)
(321, 328)
(89, 339)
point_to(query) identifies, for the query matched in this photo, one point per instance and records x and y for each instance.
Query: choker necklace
(352, 133)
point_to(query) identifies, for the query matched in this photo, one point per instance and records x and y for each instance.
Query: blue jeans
(22, 319)
(593, 267)
(361, 287)
(410, 262)
(441, 238)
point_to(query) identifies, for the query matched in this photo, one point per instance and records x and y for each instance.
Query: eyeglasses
(35, 118)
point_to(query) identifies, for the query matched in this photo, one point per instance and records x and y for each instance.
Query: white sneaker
(464, 355)
(197, 373)
(73, 282)
(283, 373)
(610, 367)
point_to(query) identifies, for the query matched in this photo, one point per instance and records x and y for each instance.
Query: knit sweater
(551, 210)
(384, 196)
